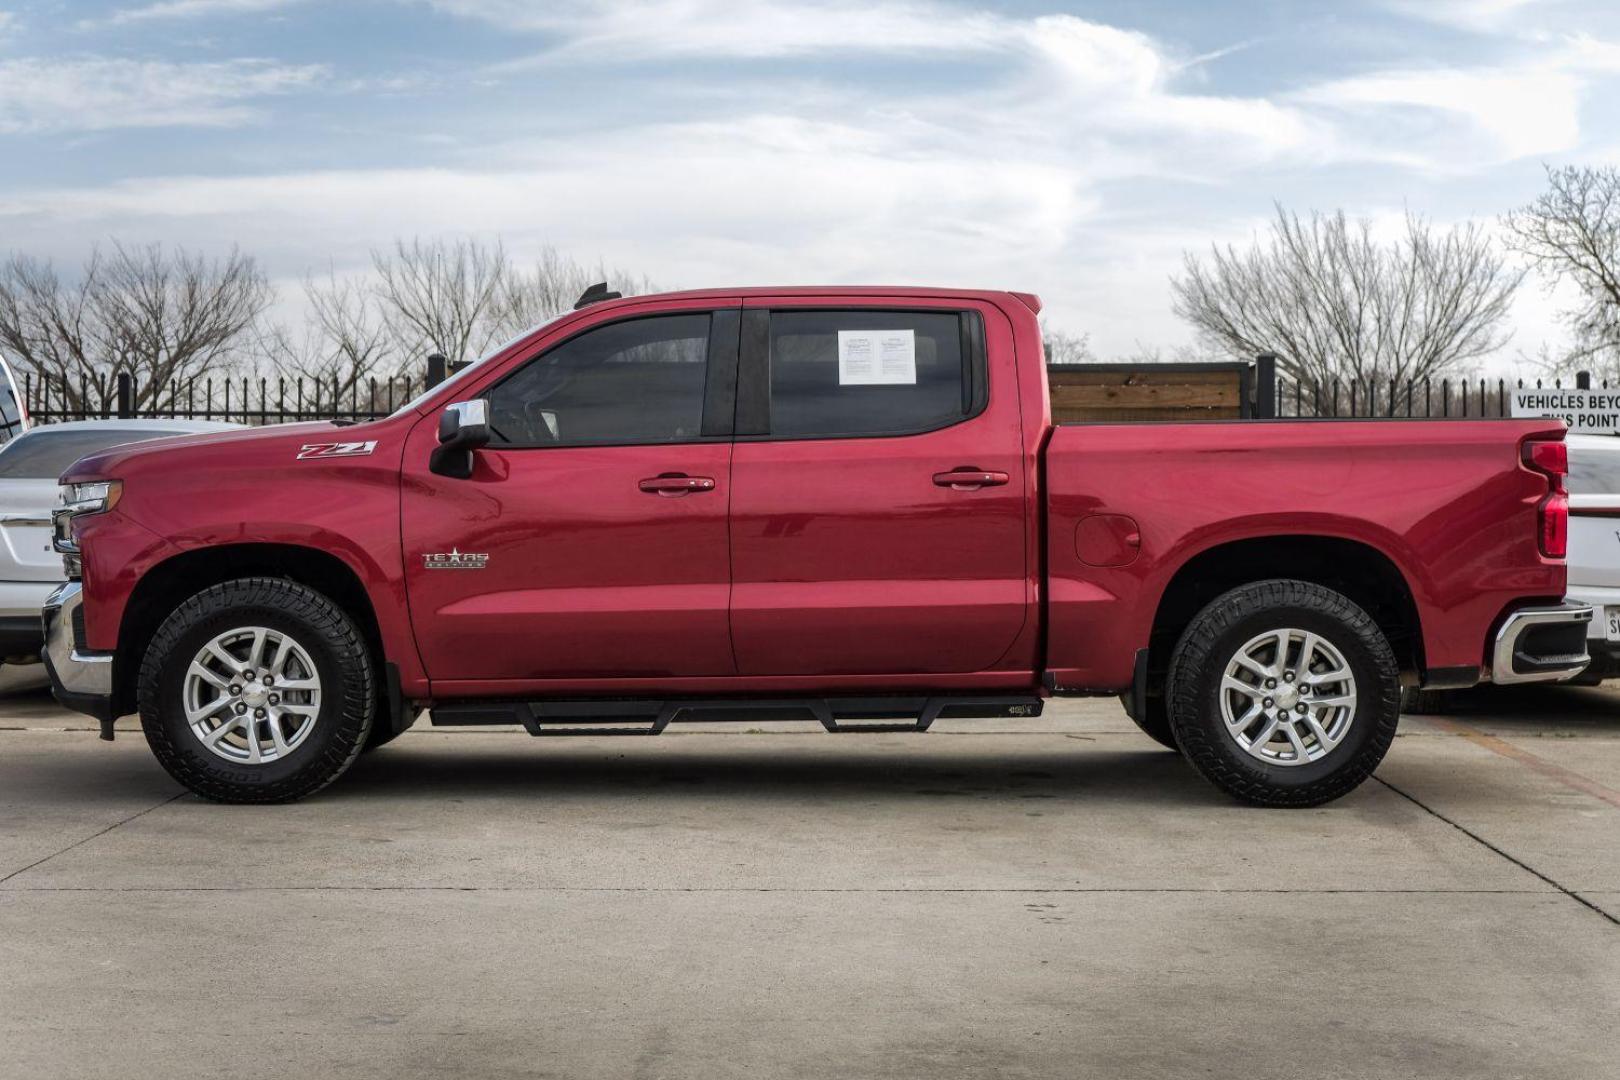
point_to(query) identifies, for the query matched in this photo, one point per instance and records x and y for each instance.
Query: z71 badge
(336, 449)
(454, 560)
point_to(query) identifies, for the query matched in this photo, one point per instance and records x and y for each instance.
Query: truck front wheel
(257, 690)
(1284, 693)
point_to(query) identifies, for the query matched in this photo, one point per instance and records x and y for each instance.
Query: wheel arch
(169, 583)
(1360, 571)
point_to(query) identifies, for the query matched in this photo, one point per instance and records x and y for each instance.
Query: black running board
(614, 716)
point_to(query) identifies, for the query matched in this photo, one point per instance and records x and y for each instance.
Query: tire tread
(1194, 652)
(324, 618)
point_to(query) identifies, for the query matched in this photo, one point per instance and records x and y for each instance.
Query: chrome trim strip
(73, 672)
(1514, 626)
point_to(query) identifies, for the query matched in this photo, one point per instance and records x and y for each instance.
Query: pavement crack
(92, 836)
(1515, 860)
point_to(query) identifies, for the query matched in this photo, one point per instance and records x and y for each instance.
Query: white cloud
(618, 30)
(1482, 16)
(1452, 118)
(186, 9)
(839, 142)
(95, 93)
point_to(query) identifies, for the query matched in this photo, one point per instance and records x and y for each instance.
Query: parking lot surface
(1042, 898)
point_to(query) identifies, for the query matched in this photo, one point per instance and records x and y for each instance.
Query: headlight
(93, 498)
(77, 500)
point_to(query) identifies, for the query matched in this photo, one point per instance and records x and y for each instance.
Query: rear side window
(639, 381)
(843, 373)
(43, 454)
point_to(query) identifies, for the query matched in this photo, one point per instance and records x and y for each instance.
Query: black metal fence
(246, 400)
(241, 400)
(1276, 395)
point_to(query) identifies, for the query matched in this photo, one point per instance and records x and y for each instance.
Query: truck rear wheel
(1284, 693)
(257, 690)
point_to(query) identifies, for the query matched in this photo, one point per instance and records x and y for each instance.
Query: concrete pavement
(1055, 898)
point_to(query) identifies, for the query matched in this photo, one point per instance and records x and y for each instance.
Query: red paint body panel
(249, 488)
(824, 566)
(1445, 501)
(848, 559)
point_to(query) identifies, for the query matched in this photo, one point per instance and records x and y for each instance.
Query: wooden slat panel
(1081, 377)
(1143, 397)
(1075, 415)
(1146, 393)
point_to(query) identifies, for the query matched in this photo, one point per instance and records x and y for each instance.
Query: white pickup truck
(1594, 546)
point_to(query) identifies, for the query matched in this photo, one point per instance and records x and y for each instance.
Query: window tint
(43, 454)
(866, 372)
(10, 410)
(632, 382)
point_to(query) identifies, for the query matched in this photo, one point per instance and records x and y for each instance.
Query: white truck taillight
(1551, 459)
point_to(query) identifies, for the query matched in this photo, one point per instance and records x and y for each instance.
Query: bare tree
(1334, 303)
(460, 297)
(1065, 348)
(345, 344)
(165, 317)
(551, 286)
(1572, 233)
(441, 296)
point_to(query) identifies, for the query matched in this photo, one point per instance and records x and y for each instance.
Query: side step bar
(613, 716)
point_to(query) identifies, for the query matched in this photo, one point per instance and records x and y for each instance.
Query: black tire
(1215, 636)
(340, 657)
(1156, 724)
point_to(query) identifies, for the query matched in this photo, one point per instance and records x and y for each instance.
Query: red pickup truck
(847, 505)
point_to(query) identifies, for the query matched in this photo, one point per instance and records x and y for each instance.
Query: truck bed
(1446, 503)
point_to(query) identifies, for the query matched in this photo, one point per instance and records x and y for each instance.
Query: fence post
(437, 368)
(1583, 380)
(126, 395)
(1265, 386)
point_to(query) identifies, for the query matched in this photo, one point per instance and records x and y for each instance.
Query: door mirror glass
(463, 428)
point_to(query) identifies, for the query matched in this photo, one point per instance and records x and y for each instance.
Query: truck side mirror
(463, 428)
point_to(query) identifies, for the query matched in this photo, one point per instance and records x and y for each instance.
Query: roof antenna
(595, 295)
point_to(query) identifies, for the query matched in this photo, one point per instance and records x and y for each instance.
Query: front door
(877, 504)
(590, 541)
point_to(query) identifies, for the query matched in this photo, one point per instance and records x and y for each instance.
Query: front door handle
(969, 479)
(674, 485)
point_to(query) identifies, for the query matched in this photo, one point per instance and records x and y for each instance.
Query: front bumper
(1541, 644)
(82, 681)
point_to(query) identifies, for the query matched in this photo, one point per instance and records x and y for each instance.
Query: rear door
(590, 541)
(877, 505)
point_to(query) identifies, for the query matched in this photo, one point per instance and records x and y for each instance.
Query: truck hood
(109, 464)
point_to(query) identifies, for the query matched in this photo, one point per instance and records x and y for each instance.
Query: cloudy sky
(1072, 149)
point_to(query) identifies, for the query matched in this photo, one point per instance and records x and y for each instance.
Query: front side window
(846, 373)
(639, 381)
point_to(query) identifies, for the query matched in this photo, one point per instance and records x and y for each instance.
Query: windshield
(43, 454)
(11, 414)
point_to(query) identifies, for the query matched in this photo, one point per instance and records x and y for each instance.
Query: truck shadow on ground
(1580, 709)
(428, 768)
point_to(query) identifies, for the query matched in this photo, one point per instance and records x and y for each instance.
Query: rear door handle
(673, 485)
(968, 479)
